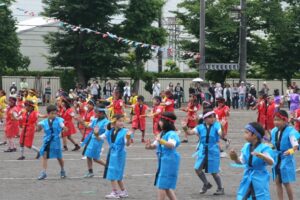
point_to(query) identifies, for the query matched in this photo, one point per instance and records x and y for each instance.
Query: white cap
(13, 83)
(242, 82)
(265, 82)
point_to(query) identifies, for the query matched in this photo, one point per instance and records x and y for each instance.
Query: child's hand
(128, 136)
(96, 130)
(233, 155)
(148, 144)
(183, 123)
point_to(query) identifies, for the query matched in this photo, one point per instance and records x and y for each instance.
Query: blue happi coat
(93, 146)
(51, 141)
(116, 158)
(255, 173)
(208, 150)
(285, 166)
(168, 163)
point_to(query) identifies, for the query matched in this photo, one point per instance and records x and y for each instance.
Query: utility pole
(202, 68)
(243, 42)
(160, 53)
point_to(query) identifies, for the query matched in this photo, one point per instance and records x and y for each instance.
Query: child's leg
(143, 134)
(89, 164)
(217, 179)
(202, 176)
(22, 150)
(289, 190)
(44, 162)
(171, 194)
(279, 189)
(65, 142)
(121, 185)
(162, 194)
(101, 162)
(35, 149)
(61, 163)
(114, 186)
(71, 139)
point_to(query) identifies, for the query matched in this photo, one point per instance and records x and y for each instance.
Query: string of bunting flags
(136, 44)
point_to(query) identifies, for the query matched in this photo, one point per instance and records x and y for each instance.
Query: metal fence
(37, 83)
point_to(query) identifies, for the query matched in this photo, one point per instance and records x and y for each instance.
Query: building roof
(33, 23)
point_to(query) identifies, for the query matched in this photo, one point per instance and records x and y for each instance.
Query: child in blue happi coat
(51, 148)
(93, 144)
(208, 150)
(117, 138)
(284, 140)
(255, 155)
(168, 158)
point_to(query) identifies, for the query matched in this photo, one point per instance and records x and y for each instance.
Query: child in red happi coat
(117, 103)
(222, 114)
(12, 124)
(68, 115)
(168, 103)
(270, 114)
(87, 117)
(28, 123)
(139, 118)
(191, 121)
(156, 114)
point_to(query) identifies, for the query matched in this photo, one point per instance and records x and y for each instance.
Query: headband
(284, 118)
(208, 114)
(168, 119)
(253, 130)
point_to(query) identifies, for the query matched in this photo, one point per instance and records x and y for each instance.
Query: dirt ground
(18, 178)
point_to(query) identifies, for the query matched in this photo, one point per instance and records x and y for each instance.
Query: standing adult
(287, 95)
(23, 84)
(47, 93)
(227, 95)
(126, 93)
(13, 88)
(252, 91)
(294, 86)
(107, 90)
(265, 88)
(178, 94)
(211, 91)
(295, 101)
(235, 96)
(156, 88)
(198, 92)
(171, 88)
(94, 90)
(242, 93)
(218, 91)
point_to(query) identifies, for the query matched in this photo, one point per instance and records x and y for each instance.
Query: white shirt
(156, 89)
(126, 91)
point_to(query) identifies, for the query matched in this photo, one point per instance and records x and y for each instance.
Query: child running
(28, 122)
(117, 138)
(51, 148)
(168, 158)
(284, 140)
(256, 156)
(208, 151)
(93, 143)
(192, 108)
(156, 114)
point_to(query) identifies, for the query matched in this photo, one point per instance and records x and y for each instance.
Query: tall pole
(160, 54)
(202, 68)
(243, 42)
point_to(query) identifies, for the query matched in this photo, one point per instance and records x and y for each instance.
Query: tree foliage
(10, 56)
(89, 54)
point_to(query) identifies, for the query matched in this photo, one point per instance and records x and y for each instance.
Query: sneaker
(77, 147)
(184, 141)
(66, 148)
(21, 158)
(219, 192)
(3, 143)
(13, 149)
(143, 140)
(83, 158)
(42, 176)
(63, 174)
(112, 195)
(8, 150)
(223, 154)
(123, 194)
(89, 175)
(228, 142)
(205, 188)
(298, 171)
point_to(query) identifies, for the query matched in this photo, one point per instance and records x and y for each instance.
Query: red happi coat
(82, 111)
(12, 126)
(118, 106)
(270, 116)
(157, 109)
(60, 111)
(87, 119)
(192, 115)
(68, 121)
(297, 124)
(169, 108)
(138, 121)
(261, 109)
(221, 116)
(29, 121)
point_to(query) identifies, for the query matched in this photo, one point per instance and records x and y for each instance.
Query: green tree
(90, 54)
(138, 26)
(10, 56)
